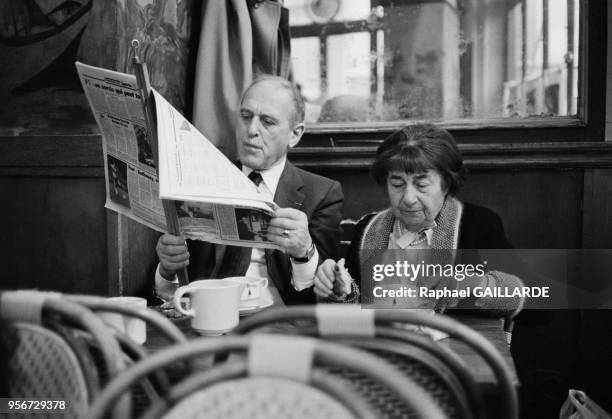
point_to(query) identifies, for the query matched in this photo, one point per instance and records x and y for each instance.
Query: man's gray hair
(292, 89)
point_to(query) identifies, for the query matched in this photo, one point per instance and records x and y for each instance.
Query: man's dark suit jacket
(318, 197)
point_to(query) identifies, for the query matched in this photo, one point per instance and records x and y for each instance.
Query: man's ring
(285, 233)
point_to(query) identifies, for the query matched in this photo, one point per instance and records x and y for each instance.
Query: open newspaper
(214, 200)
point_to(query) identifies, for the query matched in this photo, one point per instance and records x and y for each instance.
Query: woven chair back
(44, 366)
(323, 353)
(386, 324)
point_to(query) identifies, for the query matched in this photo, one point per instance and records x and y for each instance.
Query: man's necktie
(255, 177)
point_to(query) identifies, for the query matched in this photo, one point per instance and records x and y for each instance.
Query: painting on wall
(163, 29)
(41, 39)
(38, 41)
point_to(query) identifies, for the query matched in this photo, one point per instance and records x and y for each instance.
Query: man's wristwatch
(309, 254)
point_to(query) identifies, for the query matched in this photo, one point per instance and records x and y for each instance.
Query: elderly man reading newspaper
(305, 225)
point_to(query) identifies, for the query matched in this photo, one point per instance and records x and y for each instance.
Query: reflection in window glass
(299, 12)
(305, 61)
(348, 64)
(515, 42)
(351, 10)
(380, 60)
(572, 61)
(534, 38)
(557, 34)
(308, 12)
(348, 78)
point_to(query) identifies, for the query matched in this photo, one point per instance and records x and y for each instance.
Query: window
(369, 66)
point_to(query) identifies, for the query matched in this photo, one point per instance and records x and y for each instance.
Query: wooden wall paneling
(540, 208)
(142, 260)
(597, 209)
(54, 234)
(116, 254)
(131, 256)
(361, 194)
(51, 152)
(56, 184)
(509, 155)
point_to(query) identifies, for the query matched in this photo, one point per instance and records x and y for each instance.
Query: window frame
(588, 126)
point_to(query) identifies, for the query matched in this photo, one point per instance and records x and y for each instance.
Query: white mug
(214, 305)
(252, 290)
(135, 328)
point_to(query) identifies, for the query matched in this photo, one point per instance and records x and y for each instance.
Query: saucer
(256, 306)
(204, 332)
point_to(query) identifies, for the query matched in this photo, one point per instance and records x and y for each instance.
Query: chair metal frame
(58, 308)
(113, 351)
(158, 383)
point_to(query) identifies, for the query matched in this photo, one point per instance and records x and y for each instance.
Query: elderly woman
(421, 169)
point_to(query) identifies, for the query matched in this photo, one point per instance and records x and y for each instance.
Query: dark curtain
(238, 39)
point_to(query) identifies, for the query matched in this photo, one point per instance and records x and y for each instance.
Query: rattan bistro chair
(43, 365)
(56, 315)
(133, 351)
(237, 388)
(440, 372)
(437, 370)
(100, 304)
(82, 350)
(158, 383)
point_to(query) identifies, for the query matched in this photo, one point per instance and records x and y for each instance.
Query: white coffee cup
(214, 305)
(133, 327)
(252, 290)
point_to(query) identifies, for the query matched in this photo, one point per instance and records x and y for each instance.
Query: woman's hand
(332, 278)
